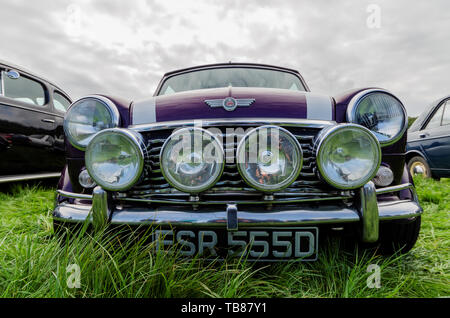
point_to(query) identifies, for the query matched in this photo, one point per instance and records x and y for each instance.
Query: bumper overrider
(367, 211)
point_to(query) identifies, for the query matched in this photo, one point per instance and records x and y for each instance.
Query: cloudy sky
(124, 47)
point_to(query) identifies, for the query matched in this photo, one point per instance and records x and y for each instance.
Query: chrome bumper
(368, 211)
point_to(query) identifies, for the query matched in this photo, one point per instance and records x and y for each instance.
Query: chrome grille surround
(231, 187)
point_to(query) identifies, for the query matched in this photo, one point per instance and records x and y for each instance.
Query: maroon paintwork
(269, 103)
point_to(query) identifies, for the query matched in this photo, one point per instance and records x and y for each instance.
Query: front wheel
(399, 235)
(419, 166)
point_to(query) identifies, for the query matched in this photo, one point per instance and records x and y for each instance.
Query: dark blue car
(428, 148)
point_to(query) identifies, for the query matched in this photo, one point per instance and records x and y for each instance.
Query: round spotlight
(192, 160)
(85, 180)
(384, 177)
(348, 156)
(269, 158)
(115, 158)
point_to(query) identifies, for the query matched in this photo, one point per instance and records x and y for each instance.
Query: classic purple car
(227, 159)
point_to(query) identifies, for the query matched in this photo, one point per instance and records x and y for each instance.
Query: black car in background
(428, 147)
(31, 125)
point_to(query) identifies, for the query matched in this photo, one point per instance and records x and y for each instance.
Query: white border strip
(318, 106)
(144, 112)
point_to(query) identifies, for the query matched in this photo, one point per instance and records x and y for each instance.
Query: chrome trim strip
(72, 195)
(258, 202)
(112, 108)
(232, 122)
(185, 202)
(353, 105)
(4, 100)
(400, 187)
(391, 189)
(24, 177)
(368, 209)
(232, 218)
(136, 215)
(369, 212)
(100, 210)
(324, 214)
(2, 91)
(396, 210)
(430, 138)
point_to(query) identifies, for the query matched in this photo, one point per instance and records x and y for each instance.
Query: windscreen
(234, 77)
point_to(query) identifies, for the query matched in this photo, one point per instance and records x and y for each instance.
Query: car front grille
(153, 188)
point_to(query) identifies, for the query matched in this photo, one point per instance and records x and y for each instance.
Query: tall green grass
(33, 261)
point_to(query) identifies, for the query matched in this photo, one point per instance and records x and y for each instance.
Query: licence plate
(257, 244)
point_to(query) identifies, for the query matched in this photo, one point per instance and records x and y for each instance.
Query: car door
(26, 125)
(435, 139)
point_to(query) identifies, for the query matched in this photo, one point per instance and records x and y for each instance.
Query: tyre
(417, 165)
(399, 236)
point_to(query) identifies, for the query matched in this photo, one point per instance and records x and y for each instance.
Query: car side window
(446, 116)
(60, 102)
(435, 121)
(1, 83)
(24, 89)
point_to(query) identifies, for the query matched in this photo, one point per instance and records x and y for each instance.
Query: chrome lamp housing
(269, 158)
(381, 112)
(115, 158)
(348, 156)
(192, 160)
(86, 117)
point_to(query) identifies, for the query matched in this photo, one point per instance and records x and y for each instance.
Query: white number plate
(263, 244)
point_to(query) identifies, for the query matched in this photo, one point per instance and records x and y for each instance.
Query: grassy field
(33, 261)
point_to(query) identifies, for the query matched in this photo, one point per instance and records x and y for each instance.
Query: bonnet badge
(230, 103)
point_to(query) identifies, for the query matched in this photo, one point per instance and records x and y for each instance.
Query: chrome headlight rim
(187, 189)
(138, 145)
(353, 107)
(258, 186)
(329, 133)
(109, 105)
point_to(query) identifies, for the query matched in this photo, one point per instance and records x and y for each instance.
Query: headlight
(88, 116)
(192, 160)
(269, 158)
(115, 159)
(381, 112)
(348, 156)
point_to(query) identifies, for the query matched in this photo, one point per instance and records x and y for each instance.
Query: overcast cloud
(124, 47)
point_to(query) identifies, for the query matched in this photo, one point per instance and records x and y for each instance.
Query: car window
(1, 84)
(446, 116)
(24, 89)
(435, 121)
(232, 76)
(60, 102)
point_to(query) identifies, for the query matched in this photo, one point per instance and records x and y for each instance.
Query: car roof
(24, 70)
(232, 64)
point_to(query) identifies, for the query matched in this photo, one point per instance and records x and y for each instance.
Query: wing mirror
(13, 74)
